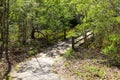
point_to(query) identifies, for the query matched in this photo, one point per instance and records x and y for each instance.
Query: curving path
(41, 68)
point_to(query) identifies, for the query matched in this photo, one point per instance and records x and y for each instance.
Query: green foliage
(113, 48)
(13, 32)
(72, 33)
(79, 74)
(48, 16)
(90, 72)
(95, 71)
(118, 19)
(69, 53)
(110, 50)
(33, 51)
(115, 38)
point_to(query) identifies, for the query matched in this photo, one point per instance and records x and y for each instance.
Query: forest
(59, 39)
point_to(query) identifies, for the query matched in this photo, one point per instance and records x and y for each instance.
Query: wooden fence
(80, 39)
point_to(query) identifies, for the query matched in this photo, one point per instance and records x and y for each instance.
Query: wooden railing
(80, 39)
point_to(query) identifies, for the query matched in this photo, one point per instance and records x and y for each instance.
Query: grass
(90, 71)
(95, 71)
(78, 73)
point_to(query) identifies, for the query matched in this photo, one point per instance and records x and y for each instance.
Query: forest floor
(89, 64)
(51, 64)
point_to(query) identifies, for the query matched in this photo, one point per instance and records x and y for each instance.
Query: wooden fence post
(64, 34)
(85, 38)
(73, 44)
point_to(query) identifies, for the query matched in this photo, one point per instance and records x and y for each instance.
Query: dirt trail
(41, 69)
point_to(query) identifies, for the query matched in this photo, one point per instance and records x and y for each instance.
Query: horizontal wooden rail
(80, 39)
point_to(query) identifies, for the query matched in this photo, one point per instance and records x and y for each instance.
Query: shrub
(95, 71)
(69, 53)
(33, 51)
(113, 48)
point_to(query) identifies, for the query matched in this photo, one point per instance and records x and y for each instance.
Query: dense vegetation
(27, 25)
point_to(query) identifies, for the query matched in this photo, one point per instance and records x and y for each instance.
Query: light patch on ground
(41, 68)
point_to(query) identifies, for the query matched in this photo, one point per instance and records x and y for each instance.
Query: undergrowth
(70, 53)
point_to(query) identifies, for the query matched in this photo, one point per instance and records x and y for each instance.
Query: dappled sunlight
(59, 39)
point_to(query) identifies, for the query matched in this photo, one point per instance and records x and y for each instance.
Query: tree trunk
(6, 37)
(2, 27)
